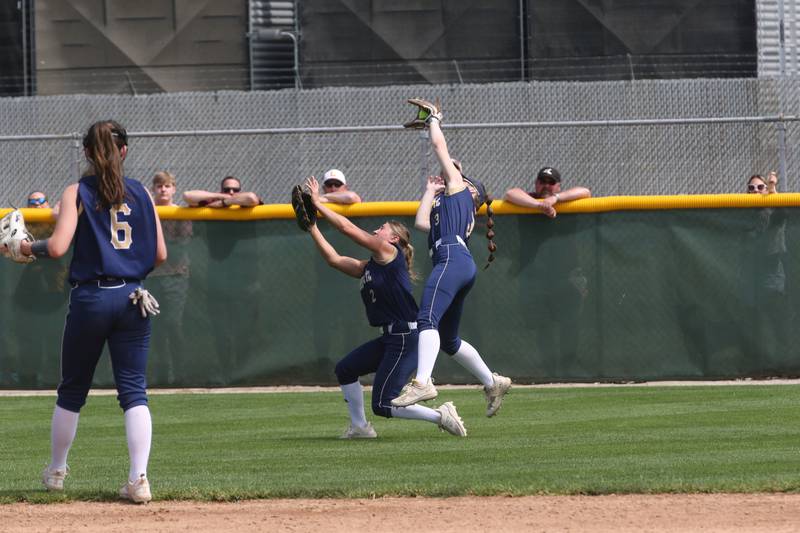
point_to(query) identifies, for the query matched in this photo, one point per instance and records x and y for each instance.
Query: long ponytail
(103, 144)
(480, 196)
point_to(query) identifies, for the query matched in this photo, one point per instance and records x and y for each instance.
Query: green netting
(630, 295)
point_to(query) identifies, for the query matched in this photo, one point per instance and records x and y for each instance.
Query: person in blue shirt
(118, 241)
(387, 295)
(447, 211)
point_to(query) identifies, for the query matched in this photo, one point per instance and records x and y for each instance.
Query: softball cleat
(358, 432)
(450, 421)
(415, 392)
(136, 491)
(495, 393)
(53, 478)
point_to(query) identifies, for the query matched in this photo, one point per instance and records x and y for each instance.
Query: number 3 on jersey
(121, 238)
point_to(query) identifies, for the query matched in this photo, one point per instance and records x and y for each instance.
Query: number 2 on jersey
(120, 227)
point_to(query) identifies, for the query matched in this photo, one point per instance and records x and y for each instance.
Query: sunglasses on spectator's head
(231, 189)
(37, 201)
(753, 187)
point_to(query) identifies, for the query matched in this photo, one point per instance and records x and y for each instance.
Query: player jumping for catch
(447, 211)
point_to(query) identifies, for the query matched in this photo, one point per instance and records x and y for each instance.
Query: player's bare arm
(59, 242)
(348, 265)
(161, 245)
(381, 250)
(452, 177)
(434, 186)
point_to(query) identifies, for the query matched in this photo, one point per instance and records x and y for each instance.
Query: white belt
(439, 243)
(388, 328)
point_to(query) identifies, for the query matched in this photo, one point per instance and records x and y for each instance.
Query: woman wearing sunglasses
(766, 336)
(758, 185)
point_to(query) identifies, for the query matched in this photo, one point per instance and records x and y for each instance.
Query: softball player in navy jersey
(447, 211)
(118, 241)
(389, 302)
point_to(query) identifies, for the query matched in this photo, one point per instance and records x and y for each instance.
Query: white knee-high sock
(428, 350)
(469, 358)
(354, 396)
(62, 433)
(139, 430)
(417, 412)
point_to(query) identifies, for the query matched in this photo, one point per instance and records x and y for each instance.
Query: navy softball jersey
(105, 244)
(387, 293)
(389, 302)
(452, 216)
(114, 250)
(452, 219)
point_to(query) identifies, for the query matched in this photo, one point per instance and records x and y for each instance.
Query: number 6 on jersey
(120, 226)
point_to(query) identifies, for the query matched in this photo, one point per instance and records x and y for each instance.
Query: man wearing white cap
(335, 189)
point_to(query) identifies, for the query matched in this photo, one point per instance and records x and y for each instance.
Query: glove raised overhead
(426, 112)
(304, 210)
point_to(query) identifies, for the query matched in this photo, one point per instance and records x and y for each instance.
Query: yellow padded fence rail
(368, 209)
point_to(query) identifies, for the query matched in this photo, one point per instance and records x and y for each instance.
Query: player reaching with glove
(387, 295)
(118, 241)
(447, 212)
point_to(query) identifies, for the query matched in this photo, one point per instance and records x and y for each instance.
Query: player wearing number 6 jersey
(118, 241)
(386, 293)
(447, 211)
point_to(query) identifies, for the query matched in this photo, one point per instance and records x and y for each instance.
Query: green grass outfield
(580, 440)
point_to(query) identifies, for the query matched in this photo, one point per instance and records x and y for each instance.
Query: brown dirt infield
(771, 513)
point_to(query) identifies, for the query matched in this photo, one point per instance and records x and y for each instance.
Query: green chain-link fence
(630, 295)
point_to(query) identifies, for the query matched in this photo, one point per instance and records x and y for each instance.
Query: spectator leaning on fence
(38, 200)
(546, 193)
(230, 194)
(334, 185)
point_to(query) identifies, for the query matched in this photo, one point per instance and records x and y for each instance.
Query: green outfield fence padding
(610, 296)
